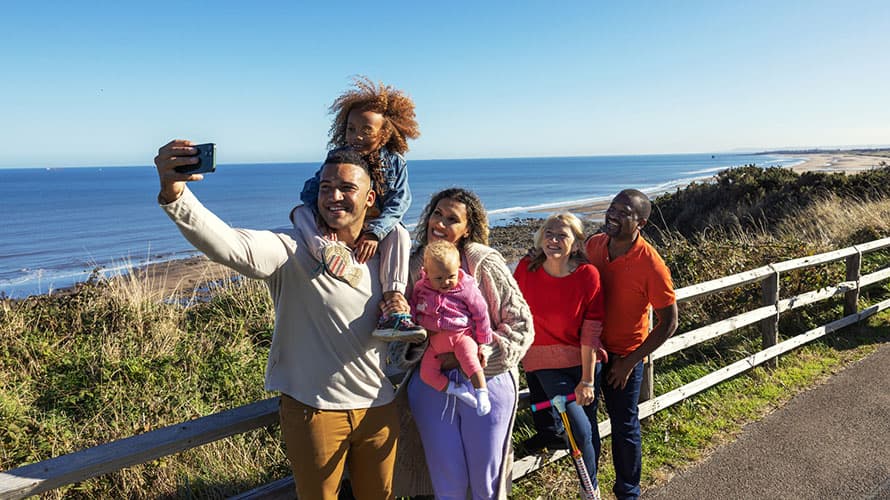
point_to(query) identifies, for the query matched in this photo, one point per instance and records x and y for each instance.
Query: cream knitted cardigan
(513, 333)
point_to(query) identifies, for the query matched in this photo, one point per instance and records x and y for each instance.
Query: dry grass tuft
(836, 222)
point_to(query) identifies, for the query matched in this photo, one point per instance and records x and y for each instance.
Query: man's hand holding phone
(180, 161)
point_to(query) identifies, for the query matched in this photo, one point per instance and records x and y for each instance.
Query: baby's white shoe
(483, 404)
(462, 393)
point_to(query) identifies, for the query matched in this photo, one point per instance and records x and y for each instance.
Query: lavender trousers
(463, 450)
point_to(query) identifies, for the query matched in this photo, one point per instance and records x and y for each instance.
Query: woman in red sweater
(566, 301)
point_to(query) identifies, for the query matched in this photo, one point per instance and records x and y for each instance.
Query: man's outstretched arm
(256, 254)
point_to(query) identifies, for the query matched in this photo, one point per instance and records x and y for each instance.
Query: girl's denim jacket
(392, 205)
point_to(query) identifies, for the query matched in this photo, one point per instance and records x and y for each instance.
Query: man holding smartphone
(337, 406)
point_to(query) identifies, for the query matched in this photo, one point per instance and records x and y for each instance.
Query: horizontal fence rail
(706, 288)
(712, 331)
(91, 462)
(84, 464)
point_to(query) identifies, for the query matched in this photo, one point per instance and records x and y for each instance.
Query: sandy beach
(839, 162)
(172, 277)
(183, 274)
(586, 211)
(512, 241)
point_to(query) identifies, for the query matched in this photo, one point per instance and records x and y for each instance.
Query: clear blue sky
(106, 83)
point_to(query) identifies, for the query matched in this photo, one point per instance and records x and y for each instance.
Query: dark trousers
(547, 422)
(627, 444)
(582, 418)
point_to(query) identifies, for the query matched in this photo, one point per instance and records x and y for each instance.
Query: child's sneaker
(338, 262)
(398, 328)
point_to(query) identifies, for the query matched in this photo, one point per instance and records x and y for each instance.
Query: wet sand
(179, 276)
(183, 274)
(586, 211)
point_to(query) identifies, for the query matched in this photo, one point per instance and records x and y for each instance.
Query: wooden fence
(81, 465)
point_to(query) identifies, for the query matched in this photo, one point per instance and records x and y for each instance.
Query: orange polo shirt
(630, 284)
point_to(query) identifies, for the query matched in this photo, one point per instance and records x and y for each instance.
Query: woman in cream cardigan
(463, 451)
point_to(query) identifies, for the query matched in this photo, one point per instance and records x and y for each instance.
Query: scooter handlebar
(543, 405)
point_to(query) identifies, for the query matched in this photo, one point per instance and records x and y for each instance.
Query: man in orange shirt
(633, 277)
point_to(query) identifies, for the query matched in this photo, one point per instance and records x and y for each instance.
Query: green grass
(687, 432)
(115, 360)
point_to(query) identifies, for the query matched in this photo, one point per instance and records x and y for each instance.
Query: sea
(63, 224)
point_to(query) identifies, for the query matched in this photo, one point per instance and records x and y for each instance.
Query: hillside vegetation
(117, 358)
(752, 198)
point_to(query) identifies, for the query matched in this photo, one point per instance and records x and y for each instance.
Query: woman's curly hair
(399, 123)
(477, 217)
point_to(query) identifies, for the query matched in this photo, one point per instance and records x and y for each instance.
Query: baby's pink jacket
(461, 308)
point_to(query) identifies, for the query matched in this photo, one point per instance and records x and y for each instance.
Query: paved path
(829, 442)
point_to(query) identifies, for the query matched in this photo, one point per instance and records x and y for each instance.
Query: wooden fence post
(769, 327)
(851, 298)
(647, 386)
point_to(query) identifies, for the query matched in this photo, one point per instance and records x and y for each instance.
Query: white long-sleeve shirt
(322, 352)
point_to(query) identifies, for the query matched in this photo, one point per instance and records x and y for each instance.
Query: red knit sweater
(559, 306)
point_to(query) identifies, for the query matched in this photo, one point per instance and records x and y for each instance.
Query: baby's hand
(365, 247)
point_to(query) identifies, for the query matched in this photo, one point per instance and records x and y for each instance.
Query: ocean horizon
(64, 223)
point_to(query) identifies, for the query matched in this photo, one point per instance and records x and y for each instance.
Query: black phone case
(206, 161)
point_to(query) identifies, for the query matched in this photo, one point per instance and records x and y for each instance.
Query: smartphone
(206, 161)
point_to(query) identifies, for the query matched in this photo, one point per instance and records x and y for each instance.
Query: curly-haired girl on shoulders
(376, 120)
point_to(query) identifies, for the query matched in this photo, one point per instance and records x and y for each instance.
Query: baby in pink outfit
(449, 305)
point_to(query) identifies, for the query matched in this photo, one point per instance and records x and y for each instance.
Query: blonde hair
(441, 251)
(574, 224)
